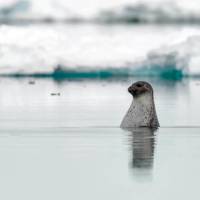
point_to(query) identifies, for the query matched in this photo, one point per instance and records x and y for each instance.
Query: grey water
(70, 146)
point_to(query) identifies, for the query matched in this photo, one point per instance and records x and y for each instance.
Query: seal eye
(139, 84)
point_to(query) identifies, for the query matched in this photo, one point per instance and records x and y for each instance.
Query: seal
(142, 112)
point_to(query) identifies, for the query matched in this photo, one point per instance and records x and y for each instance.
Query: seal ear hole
(147, 87)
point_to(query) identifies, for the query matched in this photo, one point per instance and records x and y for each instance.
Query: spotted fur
(142, 112)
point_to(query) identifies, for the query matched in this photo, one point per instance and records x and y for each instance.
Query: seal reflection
(143, 145)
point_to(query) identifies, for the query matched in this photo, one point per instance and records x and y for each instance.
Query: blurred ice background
(149, 11)
(99, 38)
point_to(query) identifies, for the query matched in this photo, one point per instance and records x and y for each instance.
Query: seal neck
(145, 100)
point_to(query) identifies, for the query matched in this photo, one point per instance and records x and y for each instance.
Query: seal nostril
(132, 90)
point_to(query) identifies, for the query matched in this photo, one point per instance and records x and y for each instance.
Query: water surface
(71, 147)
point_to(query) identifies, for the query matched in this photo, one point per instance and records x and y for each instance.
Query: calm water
(70, 146)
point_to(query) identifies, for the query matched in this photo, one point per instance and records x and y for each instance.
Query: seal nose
(132, 90)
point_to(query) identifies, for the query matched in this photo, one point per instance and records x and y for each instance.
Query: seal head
(142, 112)
(140, 88)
